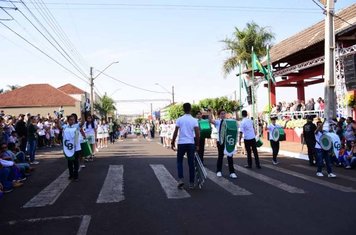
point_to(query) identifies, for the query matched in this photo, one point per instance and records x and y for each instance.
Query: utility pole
(151, 111)
(172, 94)
(329, 66)
(91, 91)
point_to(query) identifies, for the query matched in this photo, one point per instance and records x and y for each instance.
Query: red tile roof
(71, 89)
(313, 35)
(36, 95)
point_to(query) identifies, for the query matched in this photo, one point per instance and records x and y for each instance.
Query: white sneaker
(348, 167)
(275, 162)
(331, 175)
(34, 163)
(82, 166)
(233, 176)
(218, 174)
(319, 174)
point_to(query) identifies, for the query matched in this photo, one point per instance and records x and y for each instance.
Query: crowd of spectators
(284, 107)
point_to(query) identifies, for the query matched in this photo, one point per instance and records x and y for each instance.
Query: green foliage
(220, 103)
(140, 120)
(241, 43)
(105, 106)
(175, 111)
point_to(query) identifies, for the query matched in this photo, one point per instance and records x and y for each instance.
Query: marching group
(21, 136)
(185, 129)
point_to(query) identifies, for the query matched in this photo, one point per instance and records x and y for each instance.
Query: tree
(175, 111)
(105, 106)
(219, 103)
(13, 87)
(241, 43)
(140, 120)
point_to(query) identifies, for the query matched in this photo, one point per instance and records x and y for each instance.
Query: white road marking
(313, 179)
(50, 194)
(269, 180)
(84, 225)
(338, 174)
(168, 182)
(113, 187)
(227, 185)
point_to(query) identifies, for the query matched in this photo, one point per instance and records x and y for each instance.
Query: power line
(179, 6)
(37, 48)
(69, 59)
(133, 86)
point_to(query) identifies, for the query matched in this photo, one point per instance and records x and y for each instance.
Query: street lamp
(92, 85)
(172, 93)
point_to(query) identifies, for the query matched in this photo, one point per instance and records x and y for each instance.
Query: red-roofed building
(76, 93)
(38, 99)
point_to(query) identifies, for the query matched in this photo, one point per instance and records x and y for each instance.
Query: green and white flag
(228, 136)
(256, 65)
(269, 68)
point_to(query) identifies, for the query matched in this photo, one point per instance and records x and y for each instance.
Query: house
(76, 93)
(38, 99)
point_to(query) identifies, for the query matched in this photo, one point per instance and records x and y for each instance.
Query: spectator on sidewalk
(32, 140)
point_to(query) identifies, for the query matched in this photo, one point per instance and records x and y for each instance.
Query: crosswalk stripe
(168, 183)
(269, 180)
(227, 185)
(338, 174)
(312, 179)
(50, 194)
(113, 187)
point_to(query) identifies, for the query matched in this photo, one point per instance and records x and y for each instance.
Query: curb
(285, 153)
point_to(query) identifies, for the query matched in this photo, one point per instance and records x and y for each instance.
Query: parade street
(130, 188)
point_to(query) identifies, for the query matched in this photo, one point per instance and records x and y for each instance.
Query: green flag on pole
(269, 67)
(256, 65)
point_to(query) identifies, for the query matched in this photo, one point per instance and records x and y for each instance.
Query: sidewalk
(288, 149)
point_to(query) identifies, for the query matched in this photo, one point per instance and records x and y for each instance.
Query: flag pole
(253, 90)
(269, 90)
(240, 85)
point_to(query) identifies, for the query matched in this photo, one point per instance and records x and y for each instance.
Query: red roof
(71, 89)
(36, 95)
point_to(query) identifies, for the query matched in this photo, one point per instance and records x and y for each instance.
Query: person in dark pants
(221, 147)
(274, 144)
(112, 132)
(21, 131)
(201, 140)
(188, 143)
(309, 137)
(247, 130)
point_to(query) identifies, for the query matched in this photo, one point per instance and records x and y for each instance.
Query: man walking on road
(309, 137)
(248, 131)
(188, 142)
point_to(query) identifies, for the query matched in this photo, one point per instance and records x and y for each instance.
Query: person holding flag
(224, 143)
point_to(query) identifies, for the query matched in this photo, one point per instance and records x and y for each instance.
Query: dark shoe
(180, 184)
(248, 166)
(75, 179)
(258, 167)
(70, 177)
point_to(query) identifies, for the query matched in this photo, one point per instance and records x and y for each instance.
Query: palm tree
(13, 87)
(241, 43)
(105, 106)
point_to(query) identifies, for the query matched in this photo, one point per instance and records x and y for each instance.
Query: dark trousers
(188, 149)
(251, 144)
(73, 166)
(311, 151)
(201, 149)
(23, 144)
(275, 149)
(112, 137)
(220, 159)
(152, 132)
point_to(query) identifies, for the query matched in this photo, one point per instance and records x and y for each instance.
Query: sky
(169, 43)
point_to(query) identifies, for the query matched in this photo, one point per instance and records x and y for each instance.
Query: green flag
(269, 68)
(256, 65)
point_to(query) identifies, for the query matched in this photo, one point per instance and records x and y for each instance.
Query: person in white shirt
(247, 130)
(90, 127)
(188, 143)
(221, 147)
(322, 154)
(274, 144)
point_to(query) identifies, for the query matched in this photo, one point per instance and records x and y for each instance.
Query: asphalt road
(129, 189)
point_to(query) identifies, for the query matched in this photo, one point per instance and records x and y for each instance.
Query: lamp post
(172, 92)
(92, 85)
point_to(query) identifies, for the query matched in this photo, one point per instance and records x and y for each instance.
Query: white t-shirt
(217, 124)
(270, 128)
(317, 138)
(246, 127)
(90, 130)
(186, 125)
